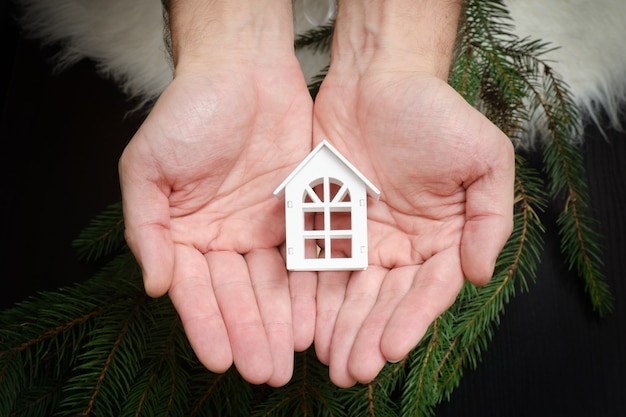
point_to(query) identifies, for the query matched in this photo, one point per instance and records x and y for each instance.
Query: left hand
(197, 181)
(446, 176)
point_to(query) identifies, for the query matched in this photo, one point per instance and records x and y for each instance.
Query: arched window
(327, 214)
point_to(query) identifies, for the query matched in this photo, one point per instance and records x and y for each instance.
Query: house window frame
(328, 204)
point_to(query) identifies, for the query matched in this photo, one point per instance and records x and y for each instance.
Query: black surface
(551, 355)
(62, 134)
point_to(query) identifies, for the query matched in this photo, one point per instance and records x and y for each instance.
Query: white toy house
(326, 213)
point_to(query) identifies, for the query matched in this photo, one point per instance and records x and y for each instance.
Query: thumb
(147, 232)
(489, 214)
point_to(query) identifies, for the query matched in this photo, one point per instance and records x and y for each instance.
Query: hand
(446, 176)
(197, 182)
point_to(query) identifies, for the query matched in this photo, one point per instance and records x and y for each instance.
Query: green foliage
(318, 39)
(103, 235)
(580, 243)
(103, 348)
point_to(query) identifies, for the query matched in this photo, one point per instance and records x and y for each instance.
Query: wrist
(206, 32)
(396, 35)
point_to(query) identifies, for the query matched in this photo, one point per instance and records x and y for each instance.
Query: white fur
(591, 53)
(125, 39)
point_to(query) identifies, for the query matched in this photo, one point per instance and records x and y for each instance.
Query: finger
(366, 359)
(435, 287)
(331, 289)
(235, 297)
(146, 222)
(303, 287)
(489, 215)
(271, 288)
(360, 298)
(194, 300)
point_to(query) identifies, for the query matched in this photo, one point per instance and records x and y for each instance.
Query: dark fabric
(62, 134)
(551, 355)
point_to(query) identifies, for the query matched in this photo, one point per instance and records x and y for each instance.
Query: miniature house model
(326, 213)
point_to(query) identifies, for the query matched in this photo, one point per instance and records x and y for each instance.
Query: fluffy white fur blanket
(125, 39)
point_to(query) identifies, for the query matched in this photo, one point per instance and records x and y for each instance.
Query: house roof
(372, 191)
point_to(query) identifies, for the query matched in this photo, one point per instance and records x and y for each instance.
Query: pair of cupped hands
(200, 215)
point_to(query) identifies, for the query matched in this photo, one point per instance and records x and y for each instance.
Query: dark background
(61, 136)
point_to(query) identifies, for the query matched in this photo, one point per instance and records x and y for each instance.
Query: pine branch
(316, 82)
(219, 394)
(162, 383)
(370, 400)
(317, 39)
(103, 236)
(42, 337)
(419, 393)
(377, 398)
(563, 161)
(309, 393)
(107, 366)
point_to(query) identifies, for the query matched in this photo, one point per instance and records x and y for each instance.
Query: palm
(434, 158)
(197, 181)
(222, 153)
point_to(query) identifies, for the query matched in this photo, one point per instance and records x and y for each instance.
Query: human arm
(445, 172)
(197, 181)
